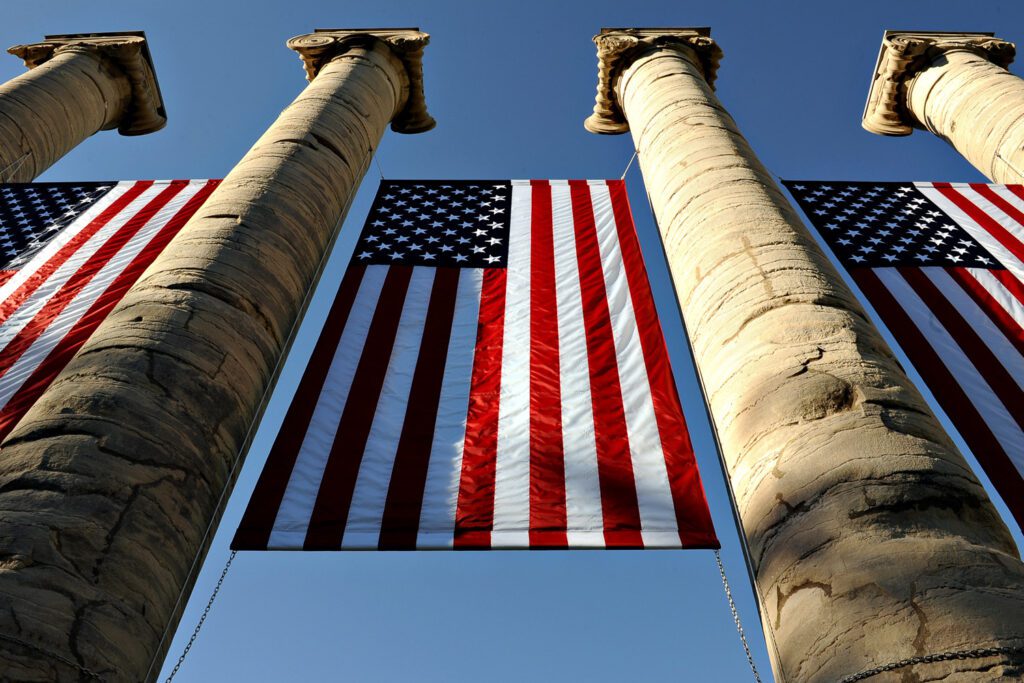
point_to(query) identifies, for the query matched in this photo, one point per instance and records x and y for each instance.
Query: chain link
(199, 624)
(264, 399)
(91, 674)
(736, 616)
(976, 653)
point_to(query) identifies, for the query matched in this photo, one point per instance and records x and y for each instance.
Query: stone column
(109, 483)
(871, 539)
(955, 85)
(77, 85)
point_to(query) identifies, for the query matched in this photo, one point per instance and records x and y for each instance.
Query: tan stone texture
(109, 482)
(956, 86)
(76, 86)
(871, 539)
(978, 107)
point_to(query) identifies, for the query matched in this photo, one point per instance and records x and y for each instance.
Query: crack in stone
(126, 506)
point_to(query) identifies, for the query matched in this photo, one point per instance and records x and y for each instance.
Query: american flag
(492, 374)
(943, 265)
(70, 252)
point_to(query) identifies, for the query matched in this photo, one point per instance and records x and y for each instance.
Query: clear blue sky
(509, 84)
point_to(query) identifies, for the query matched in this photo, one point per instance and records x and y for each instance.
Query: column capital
(616, 50)
(322, 45)
(903, 55)
(127, 52)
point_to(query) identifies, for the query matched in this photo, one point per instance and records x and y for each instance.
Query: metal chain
(53, 655)
(736, 616)
(199, 624)
(758, 601)
(247, 441)
(931, 659)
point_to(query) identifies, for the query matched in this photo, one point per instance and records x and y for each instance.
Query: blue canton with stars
(437, 223)
(873, 225)
(33, 213)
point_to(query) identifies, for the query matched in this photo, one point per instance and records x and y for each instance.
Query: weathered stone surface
(110, 481)
(77, 85)
(871, 539)
(955, 85)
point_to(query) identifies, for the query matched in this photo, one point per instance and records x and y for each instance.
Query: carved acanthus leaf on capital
(320, 47)
(616, 50)
(905, 54)
(129, 53)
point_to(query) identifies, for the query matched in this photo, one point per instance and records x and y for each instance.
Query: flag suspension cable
(629, 164)
(12, 167)
(202, 618)
(233, 472)
(721, 462)
(735, 616)
(1007, 162)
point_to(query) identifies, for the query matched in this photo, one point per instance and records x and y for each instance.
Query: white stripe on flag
(584, 516)
(296, 509)
(984, 237)
(62, 238)
(994, 212)
(654, 496)
(1014, 201)
(362, 528)
(512, 461)
(992, 410)
(35, 354)
(1003, 296)
(444, 473)
(979, 321)
(27, 311)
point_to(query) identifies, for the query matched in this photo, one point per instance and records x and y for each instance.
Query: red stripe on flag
(474, 516)
(65, 349)
(547, 456)
(36, 280)
(255, 528)
(6, 275)
(692, 516)
(988, 303)
(77, 282)
(980, 355)
(620, 507)
(1010, 283)
(1006, 207)
(947, 392)
(1016, 189)
(400, 521)
(988, 223)
(330, 512)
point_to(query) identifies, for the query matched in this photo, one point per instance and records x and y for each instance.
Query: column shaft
(871, 539)
(975, 105)
(46, 112)
(108, 484)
